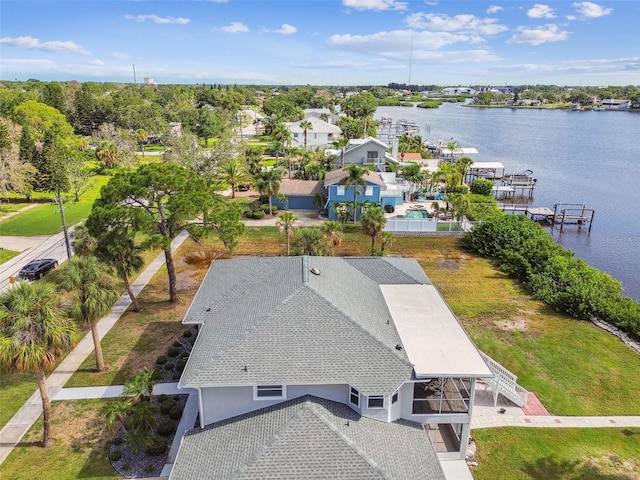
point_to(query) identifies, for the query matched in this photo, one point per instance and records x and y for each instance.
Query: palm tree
(140, 387)
(332, 230)
(341, 144)
(142, 137)
(287, 219)
(386, 240)
(268, 184)
(34, 334)
(311, 241)
(107, 152)
(462, 164)
(373, 221)
(356, 180)
(234, 173)
(282, 136)
(93, 296)
(83, 243)
(306, 125)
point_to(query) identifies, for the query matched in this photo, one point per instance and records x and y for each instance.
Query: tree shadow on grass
(551, 468)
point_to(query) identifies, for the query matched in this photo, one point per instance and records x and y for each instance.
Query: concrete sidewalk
(15, 429)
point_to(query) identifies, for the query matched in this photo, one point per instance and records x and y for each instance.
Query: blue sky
(323, 42)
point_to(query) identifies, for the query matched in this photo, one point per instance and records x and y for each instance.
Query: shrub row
(524, 250)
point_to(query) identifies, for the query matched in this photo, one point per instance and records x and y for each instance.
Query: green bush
(167, 405)
(166, 428)
(187, 334)
(169, 367)
(115, 455)
(117, 441)
(161, 360)
(482, 186)
(265, 208)
(174, 352)
(157, 446)
(181, 364)
(162, 397)
(175, 413)
(177, 344)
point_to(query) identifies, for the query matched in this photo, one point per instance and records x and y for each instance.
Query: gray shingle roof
(307, 438)
(288, 326)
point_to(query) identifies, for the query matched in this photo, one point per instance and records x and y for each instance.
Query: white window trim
(281, 397)
(354, 391)
(377, 397)
(368, 191)
(340, 190)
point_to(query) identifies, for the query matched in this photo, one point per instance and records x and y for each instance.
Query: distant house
(337, 191)
(326, 367)
(320, 136)
(458, 91)
(613, 104)
(368, 151)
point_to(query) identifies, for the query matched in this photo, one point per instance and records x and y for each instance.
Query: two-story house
(324, 367)
(320, 135)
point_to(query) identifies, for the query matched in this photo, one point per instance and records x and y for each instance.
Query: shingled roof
(304, 438)
(287, 325)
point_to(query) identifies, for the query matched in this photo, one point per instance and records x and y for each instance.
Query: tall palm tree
(341, 144)
(306, 125)
(281, 136)
(34, 334)
(287, 219)
(332, 230)
(107, 152)
(234, 173)
(93, 295)
(141, 138)
(462, 164)
(373, 221)
(268, 184)
(356, 180)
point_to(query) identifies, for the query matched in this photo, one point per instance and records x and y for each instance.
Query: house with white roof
(320, 135)
(326, 367)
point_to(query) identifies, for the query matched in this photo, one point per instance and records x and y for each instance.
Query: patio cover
(431, 335)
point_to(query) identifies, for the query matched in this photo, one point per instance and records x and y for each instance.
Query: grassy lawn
(81, 449)
(45, 219)
(574, 367)
(6, 255)
(554, 454)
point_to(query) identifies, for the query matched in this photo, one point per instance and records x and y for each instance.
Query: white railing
(504, 383)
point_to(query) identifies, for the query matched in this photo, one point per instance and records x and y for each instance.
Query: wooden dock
(562, 213)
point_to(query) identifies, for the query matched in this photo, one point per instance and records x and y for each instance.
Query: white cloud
(494, 9)
(591, 10)
(540, 11)
(235, 27)
(119, 56)
(31, 43)
(539, 35)
(377, 5)
(286, 29)
(96, 63)
(157, 19)
(464, 23)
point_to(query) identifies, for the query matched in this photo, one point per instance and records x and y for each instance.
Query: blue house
(298, 194)
(338, 193)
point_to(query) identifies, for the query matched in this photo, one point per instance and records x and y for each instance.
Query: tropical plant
(287, 219)
(356, 180)
(311, 241)
(93, 294)
(234, 172)
(386, 240)
(461, 165)
(140, 387)
(332, 230)
(82, 241)
(341, 210)
(34, 334)
(341, 144)
(373, 221)
(306, 125)
(268, 184)
(142, 136)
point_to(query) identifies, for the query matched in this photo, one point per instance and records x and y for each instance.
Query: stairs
(504, 383)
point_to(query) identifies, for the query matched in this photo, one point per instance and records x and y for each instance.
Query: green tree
(142, 137)
(164, 198)
(114, 228)
(373, 221)
(93, 294)
(386, 240)
(341, 144)
(34, 335)
(311, 241)
(306, 125)
(82, 241)
(15, 175)
(268, 184)
(333, 232)
(361, 107)
(108, 153)
(461, 165)
(282, 137)
(234, 173)
(287, 219)
(355, 180)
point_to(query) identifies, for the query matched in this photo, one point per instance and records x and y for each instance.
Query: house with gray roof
(323, 367)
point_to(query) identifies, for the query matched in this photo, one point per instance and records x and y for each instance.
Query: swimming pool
(414, 214)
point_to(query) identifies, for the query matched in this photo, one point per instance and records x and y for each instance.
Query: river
(590, 158)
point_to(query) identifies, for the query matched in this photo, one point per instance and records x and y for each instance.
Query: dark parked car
(36, 269)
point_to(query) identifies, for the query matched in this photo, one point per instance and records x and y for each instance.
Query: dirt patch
(518, 324)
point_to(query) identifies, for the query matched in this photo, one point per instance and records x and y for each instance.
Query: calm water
(577, 157)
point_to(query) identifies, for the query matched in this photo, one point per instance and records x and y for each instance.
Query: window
(340, 190)
(375, 401)
(368, 191)
(394, 397)
(372, 156)
(354, 397)
(268, 392)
